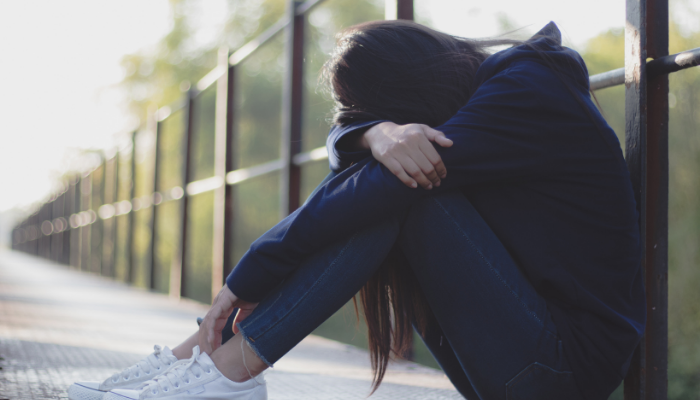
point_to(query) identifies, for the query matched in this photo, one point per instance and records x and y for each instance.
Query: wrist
(373, 133)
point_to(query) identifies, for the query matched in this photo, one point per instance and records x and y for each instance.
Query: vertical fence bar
(43, 239)
(157, 127)
(108, 198)
(86, 228)
(115, 220)
(220, 151)
(635, 151)
(292, 111)
(177, 272)
(132, 215)
(67, 212)
(656, 272)
(229, 209)
(56, 235)
(105, 254)
(97, 237)
(65, 235)
(35, 232)
(404, 9)
(75, 239)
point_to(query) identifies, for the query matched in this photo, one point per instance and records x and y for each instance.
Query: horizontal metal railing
(660, 66)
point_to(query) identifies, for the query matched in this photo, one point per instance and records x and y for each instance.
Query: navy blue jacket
(545, 171)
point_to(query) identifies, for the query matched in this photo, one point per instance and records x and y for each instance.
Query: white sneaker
(155, 364)
(197, 379)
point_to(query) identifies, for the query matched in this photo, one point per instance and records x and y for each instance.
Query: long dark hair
(406, 73)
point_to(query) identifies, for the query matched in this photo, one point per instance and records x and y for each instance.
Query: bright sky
(61, 62)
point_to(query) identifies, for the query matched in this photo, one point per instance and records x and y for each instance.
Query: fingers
(209, 326)
(430, 152)
(408, 153)
(419, 168)
(236, 320)
(397, 169)
(436, 136)
(243, 313)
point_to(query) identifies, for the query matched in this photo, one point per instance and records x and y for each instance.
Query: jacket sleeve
(507, 131)
(339, 156)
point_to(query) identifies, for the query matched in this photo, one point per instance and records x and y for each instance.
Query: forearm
(342, 149)
(358, 197)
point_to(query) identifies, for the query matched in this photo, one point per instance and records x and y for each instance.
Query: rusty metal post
(404, 9)
(86, 228)
(646, 135)
(115, 223)
(178, 278)
(75, 238)
(157, 131)
(36, 230)
(292, 111)
(132, 215)
(107, 194)
(108, 198)
(398, 9)
(656, 250)
(220, 152)
(45, 238)
(97, 231)
(67, 212)
(57, 235)
(635, 152)
(229, 209)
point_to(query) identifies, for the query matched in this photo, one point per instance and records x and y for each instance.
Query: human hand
(407, 152)
(215, 320)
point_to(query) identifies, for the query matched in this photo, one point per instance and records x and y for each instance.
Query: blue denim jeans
(490, 330)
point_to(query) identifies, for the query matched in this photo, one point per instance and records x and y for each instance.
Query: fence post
(97, 230)
(107, 176)
(177, 268)
(115, 224)
(229, 209)
(56, 236)
(292, 111)
(75, 238)
(44, 238)
(66, 213)
(220, 153)
(132, 217)
(646, 134)
(86, 228)
(156, 128)
(656, 274)
(404, 9)
(109, 224)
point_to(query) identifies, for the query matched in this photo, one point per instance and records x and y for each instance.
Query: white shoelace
(178, 375)
(154, 361)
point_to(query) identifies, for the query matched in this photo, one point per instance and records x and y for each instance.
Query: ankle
(237, 361)
(181, 353)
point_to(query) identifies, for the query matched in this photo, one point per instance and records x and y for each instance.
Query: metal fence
(150, 208)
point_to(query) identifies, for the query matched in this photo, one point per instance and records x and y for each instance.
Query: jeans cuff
(251, 343)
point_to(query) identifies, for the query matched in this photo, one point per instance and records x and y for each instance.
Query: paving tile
(58, 325)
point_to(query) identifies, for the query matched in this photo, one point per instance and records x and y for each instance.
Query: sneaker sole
(78, 392)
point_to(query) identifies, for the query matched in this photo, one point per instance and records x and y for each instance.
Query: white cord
(244, 364)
